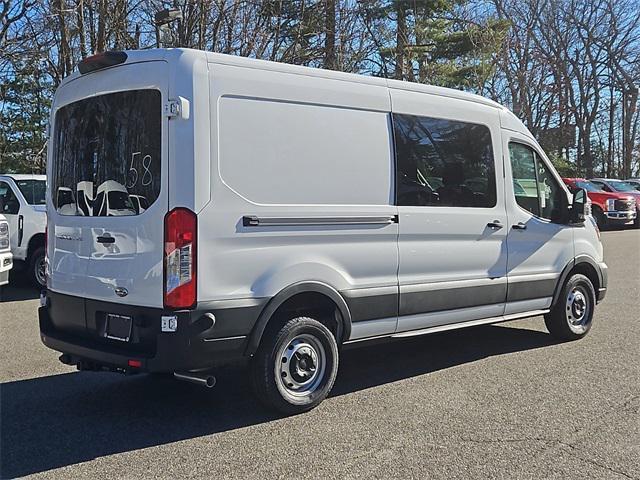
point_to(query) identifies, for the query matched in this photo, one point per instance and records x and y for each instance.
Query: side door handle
(106, 239)
(20, 229)
(495, 224)
(519, 226)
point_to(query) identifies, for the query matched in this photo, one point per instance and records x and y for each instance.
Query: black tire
(601, 219)
(571, 317)
(35, 262)
(272, 357)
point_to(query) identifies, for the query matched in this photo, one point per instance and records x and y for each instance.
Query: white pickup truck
(22, 202)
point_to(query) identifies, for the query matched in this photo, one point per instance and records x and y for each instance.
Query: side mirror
(1, 203)
(578, 206)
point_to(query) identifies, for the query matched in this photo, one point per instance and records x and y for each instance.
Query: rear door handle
(495, 224)
(519, 226)
(106, 239)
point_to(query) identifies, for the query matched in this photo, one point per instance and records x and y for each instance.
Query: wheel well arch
(316, 299)
(36, 241)
(584, 265)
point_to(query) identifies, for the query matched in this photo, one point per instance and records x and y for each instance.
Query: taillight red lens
(180, 234)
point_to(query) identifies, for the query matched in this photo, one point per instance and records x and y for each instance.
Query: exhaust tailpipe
(205, 380)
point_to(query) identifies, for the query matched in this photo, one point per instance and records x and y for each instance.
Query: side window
(601, 185)
(535, 188)
(549, 191)
(443, 163)
(9, 203)
(523, 166)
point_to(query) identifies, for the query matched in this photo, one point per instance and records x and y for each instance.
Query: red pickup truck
(607, 208)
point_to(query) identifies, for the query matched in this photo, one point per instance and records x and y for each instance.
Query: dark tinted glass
(9, 203)
(34, 191)
(443, 163)
(107, 148)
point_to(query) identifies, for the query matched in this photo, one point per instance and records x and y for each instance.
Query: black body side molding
(288, 292)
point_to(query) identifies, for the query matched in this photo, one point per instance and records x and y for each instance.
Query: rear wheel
(295, 367)
(38, 268)
(571, 317)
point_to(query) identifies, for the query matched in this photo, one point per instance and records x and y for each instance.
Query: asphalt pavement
(503, 401)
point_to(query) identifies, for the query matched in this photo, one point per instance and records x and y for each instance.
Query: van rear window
(106, 149)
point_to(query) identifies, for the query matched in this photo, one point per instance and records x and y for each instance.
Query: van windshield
(108, 144)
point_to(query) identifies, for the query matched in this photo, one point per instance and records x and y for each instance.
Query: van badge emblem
(122, 292)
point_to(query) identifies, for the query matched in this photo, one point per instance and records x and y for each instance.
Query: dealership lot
(501, 401)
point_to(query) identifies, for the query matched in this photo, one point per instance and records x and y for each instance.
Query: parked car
(634, 182)
(22, 202)
(608, 208)
(275, 232)
(619, 186)
(6, 258)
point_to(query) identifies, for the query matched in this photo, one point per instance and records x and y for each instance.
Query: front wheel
(295, 368)
(571, 317)
(38, 268)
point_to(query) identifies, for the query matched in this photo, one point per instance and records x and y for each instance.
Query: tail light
(180, 233)
(101, 60)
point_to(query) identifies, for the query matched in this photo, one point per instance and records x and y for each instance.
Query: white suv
(23, 203)
(289, 211)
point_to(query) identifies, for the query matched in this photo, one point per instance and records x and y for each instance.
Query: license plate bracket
(118, 327)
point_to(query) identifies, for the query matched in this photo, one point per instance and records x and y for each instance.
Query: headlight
(611, 204)
(4, 236)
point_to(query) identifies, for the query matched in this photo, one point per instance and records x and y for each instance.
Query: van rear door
(110, 142)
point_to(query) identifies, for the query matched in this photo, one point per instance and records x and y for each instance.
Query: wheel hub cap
(300, 366)
(577, 308)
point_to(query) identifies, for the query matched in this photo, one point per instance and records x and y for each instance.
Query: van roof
(186, 54)
(347, 77)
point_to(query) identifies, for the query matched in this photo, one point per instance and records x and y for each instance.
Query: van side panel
(275, 134)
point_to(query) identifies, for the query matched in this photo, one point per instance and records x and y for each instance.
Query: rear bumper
(76, 327)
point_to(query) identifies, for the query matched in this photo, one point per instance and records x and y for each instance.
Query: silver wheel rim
(41, 271)
(299, 367)
(578, 309)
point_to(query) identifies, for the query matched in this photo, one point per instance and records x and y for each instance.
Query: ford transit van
(290, 211)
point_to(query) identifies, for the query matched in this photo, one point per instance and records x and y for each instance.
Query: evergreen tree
(25, 100)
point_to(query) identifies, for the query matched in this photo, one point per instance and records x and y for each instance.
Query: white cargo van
(291, 211)
(22, 202)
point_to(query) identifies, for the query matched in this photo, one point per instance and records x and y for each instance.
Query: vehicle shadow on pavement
(61, 420)
(18, 290)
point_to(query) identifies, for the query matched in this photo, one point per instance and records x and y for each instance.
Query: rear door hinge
(177, 108)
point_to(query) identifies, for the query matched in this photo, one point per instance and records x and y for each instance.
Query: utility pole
(163, 20)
